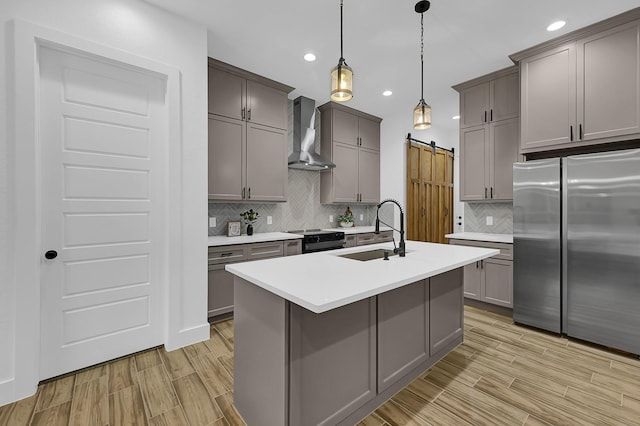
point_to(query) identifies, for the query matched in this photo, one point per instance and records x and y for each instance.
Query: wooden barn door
(429, 193)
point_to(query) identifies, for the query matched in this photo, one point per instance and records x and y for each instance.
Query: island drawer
(506, 249)
(384, 236)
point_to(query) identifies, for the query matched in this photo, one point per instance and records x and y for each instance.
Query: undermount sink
(368, 255)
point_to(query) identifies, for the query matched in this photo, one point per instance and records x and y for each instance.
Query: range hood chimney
(304, 154)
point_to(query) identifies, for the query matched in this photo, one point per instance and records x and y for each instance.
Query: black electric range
(314, 240)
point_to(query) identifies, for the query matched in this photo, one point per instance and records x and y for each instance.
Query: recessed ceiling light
(556, 26)
(309, 57)
(456, 117)
(387, 93)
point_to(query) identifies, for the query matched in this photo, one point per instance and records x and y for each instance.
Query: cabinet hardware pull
(482, 264)
(243, 192)
(249, 193)
(249, 114)
(491, 115)
(485, 192)
(485, 116)
(492, 192)
(242, 112)
(580, 127)
(226, 254)
(476, 264)
(571, 133)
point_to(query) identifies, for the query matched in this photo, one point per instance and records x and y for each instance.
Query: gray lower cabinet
(324, 350)
(489, 280)
(351, 240)
(220, 282)
(296, 367)
(446, 316)
(403, 331)
(292, 247)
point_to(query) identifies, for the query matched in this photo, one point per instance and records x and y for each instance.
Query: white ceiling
(464, 39)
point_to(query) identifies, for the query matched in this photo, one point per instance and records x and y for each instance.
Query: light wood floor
(503, 374)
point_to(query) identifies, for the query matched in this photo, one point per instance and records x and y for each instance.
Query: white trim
(26, 201)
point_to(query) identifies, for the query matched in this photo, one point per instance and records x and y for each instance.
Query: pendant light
(422, 111)
(341, 75)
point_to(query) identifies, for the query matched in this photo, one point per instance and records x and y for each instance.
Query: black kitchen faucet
(400, 251)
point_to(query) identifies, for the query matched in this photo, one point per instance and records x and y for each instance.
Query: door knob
(51, 254)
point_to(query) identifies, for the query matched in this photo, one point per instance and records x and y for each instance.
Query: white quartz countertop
(357, 229)
(481, 236)
(323, 281)
(221, 240)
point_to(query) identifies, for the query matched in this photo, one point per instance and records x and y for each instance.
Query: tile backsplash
(302, 210)
(475, 217)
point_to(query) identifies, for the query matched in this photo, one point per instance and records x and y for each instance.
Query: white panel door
(103, 133)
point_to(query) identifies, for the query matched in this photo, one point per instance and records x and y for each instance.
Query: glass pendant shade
(341, 83)
(422, 116)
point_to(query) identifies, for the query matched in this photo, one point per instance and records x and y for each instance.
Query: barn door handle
(51, 254)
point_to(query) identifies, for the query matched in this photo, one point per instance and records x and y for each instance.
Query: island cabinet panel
(446, 314)
(336, 347)
(260, 377)
(403, 332)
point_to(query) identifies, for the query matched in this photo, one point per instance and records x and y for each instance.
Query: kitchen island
(324, 339)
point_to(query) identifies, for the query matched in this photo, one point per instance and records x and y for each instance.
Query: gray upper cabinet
(489, 136)
(495, 99)
(266, 105)
(351, 139)
(582, 88)
(247, 136)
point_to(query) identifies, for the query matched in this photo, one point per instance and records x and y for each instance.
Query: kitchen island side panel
(261, 365)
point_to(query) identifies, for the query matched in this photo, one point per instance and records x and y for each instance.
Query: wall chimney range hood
(304, 156)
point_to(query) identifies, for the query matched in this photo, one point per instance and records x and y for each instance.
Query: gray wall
(475, 217)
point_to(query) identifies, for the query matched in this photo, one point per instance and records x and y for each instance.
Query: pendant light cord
(341, 54)
(422, 55)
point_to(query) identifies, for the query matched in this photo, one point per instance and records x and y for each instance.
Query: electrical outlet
(269, 220)
(330, 218)
(212, 222)
(361, 217)
(489, 220)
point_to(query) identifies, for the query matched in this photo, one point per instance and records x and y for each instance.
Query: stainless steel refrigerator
(576, 235)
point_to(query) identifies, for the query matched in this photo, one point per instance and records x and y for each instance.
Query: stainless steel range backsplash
(302, 210)
(475, 217)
